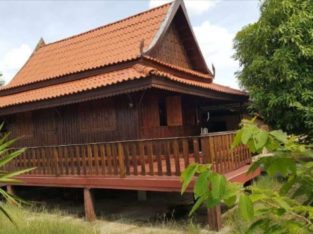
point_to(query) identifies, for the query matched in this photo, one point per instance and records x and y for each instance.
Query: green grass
(30, 221)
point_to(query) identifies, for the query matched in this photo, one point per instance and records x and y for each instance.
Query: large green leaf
(202, 184)
(218, 183)
(198, 203)
(246, 135)
(246, 209)
(280, 165)
(279, 135)
(237, 139)
(260, 140)
(187, 176)
(10, 156)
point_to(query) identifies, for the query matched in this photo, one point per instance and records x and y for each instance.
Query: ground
(61, 211)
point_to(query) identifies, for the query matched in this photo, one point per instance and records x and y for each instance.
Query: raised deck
(146, 165)
(153, 164)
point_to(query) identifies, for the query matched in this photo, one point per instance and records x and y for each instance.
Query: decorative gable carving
(172, 49)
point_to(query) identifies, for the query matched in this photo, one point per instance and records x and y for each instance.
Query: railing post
(121, 160)
(205, 148)
(56, 161)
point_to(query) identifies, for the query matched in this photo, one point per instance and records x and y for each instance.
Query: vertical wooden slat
(185, 152)
(176, 157)
(66, 161)
(115, 158)
(195, 143)
(90, 160)
(56, 161)
(108, 158)
(84, 159)
(167, 157)
(36, 161)
(96, 158)
(74, 160)
(150, 158)
(142, 157)
(121, 160)
(205, 146)
(78, 157)
(103, 161)
(158, 157)
(134, 158)
(127, 158)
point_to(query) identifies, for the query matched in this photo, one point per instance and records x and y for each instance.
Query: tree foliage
(288, 210)
(276, 57)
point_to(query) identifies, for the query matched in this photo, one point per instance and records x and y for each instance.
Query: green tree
(276, 58)
(288, 210)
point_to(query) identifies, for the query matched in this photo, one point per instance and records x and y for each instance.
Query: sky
(215, 23)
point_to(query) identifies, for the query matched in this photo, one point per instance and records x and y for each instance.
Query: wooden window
(24, 124)
(174, 111)
(97, 116)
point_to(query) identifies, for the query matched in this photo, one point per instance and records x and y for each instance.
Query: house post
(89, 206)
(215, 218)
(10, 189)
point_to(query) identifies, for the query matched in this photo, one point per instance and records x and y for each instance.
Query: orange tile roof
(110, 44)
(137, 71)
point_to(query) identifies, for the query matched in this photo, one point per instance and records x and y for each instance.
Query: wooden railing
(154, 157)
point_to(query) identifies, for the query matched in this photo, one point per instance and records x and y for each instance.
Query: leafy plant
(287, 210)
(6, 156)
(276, 57)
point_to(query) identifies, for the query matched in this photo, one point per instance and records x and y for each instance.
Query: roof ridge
(107, 25)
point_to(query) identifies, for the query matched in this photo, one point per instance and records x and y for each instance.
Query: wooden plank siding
(109, 119)
(157, 157)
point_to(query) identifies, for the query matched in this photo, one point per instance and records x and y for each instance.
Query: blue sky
(215, 23)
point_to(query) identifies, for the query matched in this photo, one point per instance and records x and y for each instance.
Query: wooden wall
(94, 121)
(153, 114)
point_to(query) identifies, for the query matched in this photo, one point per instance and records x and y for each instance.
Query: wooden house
(124, 106)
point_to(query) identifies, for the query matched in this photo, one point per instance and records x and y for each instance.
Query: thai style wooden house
(124, 106)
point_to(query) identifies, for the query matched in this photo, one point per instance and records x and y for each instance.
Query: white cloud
(13, 60)
(216, 44)
(194, 7)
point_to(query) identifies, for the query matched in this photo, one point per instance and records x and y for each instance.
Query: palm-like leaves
(6, 156)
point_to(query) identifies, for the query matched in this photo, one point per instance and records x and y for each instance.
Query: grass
(126, 219)
(31, 221)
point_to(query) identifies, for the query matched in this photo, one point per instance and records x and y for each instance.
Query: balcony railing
(154, 157)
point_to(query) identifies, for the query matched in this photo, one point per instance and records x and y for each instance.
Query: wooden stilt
(89, 207)
(142, 195)
(10, 189)
(215, 218)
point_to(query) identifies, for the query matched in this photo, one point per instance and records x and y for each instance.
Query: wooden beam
(89, 206)
(215, 218)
